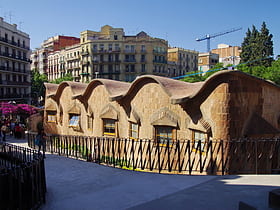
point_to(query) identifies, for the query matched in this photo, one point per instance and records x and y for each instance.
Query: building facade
(228, 55)
(43, 58)
(228, 106)
(181, 61)
(111, 54)
(15, 84)
(39, 58)
(207, 61)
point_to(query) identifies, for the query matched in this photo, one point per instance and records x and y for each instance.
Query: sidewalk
(74, 184)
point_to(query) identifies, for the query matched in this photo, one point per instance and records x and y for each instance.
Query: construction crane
(208, 37)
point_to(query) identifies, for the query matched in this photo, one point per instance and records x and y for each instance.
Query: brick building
(228, 106)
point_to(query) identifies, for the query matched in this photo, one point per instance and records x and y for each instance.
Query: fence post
(159, 165)
(223, 171)
(256, 156)
(179, 160)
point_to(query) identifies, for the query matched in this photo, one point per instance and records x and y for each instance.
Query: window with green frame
(165, 135)
(51, 116)
(199, 136)
(133, 130)
(109, 127)
(74, 120)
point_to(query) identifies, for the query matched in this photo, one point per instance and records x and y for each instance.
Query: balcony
(14, 96)
(84, 53)
(130, 51)
(13, 43)
(84, 74)
(159, 52)
(160, 61)
(104, 51)
(14, 83)
(129, 60)
(85, 63)
(5, 54)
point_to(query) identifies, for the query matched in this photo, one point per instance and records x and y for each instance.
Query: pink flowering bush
(20, 109)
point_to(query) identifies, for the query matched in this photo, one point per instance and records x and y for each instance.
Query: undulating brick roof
(178, 91)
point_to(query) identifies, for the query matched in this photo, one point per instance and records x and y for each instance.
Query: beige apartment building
(207, 61)
(111, 54)
(72, 61)
(181, 61)
(228, 55)
(15, 82)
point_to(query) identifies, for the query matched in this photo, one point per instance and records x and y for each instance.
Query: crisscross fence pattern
(22, 178)
(181, 157)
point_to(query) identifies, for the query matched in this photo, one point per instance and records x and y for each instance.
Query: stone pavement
(74, 184)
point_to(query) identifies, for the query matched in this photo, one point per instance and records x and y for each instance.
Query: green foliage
(37, 84)
(200, 76)
(257, 47)
(67, 77)
(195, 77)
(271, 73)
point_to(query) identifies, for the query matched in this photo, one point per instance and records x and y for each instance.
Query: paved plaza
(79, 185)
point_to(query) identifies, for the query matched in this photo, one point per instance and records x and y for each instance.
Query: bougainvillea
(7, 108)
(26, 109)
(20, 109)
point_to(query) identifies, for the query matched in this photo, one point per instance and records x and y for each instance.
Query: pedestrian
(17, 131)
(41, 141)
(4, 130)
(12, 128)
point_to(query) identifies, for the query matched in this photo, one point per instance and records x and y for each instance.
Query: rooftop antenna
(10, 16)
(20, 24)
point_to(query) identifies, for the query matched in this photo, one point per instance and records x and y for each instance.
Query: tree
(257, 47)
(273, 72)
(265, 46)
(67, 77)
(37, 85)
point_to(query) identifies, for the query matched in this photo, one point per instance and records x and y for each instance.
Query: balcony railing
(15, 96)
(129, 51)
(129, 60)
(8, 55)
(2, 39)
(103, 51)
(160, 61)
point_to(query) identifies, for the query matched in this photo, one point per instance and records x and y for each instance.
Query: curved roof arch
(173, 88)
(76, 88)
(114, 88)
(218, 78)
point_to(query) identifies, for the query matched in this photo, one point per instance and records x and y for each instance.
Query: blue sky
(180, 22)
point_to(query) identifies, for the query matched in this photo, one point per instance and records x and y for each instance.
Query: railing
(14, 43)
(22, 178)
(181, 157)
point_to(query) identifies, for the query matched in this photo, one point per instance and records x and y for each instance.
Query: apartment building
(207, 61)
(228, 54)
(72, 61)
(111, 54)
(39, 58)
(43, 57)
(181, 61)
(15, 82)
